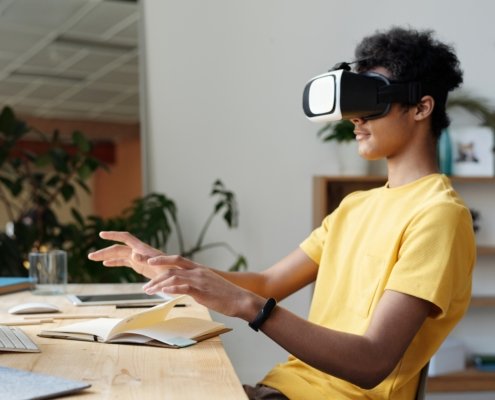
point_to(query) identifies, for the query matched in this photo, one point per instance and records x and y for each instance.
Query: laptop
(18, 384)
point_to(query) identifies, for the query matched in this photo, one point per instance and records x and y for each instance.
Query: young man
(392, 265)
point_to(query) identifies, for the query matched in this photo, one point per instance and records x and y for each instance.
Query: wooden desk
(202, 371)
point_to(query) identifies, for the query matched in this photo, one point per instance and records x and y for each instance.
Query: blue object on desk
(14, 284)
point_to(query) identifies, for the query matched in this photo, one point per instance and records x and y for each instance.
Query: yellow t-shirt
(416, 239)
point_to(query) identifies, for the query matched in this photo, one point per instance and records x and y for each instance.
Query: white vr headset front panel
(324, 96)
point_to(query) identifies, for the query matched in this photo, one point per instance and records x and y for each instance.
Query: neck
(408, 167)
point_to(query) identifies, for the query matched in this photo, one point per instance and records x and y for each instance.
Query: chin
(369, 154)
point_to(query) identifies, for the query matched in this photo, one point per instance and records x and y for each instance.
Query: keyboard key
(15, 339)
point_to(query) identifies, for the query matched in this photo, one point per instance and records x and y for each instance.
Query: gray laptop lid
(17, 384)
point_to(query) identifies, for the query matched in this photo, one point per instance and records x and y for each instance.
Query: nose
(357, 121)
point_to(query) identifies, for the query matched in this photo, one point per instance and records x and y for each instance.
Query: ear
(424, 108)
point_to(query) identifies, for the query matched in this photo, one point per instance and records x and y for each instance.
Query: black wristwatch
(263, 314)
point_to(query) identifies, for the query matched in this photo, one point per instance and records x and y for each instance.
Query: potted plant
(152, 218)
(33, 186)
(477, 106)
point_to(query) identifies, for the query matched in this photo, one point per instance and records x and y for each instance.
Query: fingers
(124, 237)
(114, 251)
(173, 261)
(131, 241)
(122, 262)
(171, 281)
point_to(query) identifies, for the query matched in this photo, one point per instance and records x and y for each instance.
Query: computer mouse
(33, 308)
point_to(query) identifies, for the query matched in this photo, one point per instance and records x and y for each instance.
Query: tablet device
(116, 298)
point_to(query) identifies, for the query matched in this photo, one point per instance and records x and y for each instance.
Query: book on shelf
(14, 284)
(149, 327)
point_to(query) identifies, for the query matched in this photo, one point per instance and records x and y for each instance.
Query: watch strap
(263, 314)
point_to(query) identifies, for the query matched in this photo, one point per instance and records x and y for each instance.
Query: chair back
(423, 377)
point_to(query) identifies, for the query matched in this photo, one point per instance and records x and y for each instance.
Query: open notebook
(149, 327)
(16, 384)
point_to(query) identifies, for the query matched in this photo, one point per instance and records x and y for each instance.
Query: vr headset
(341, 94)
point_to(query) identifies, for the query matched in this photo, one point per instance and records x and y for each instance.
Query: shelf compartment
(482, 301)
(486, 250)
(470, 380)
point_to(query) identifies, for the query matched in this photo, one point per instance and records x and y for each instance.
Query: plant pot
(350, 162)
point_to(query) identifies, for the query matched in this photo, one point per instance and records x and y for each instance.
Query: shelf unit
(328, 191)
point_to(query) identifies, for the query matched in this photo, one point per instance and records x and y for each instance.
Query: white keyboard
(14, 339)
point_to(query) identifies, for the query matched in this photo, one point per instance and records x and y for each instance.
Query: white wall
(223, 90)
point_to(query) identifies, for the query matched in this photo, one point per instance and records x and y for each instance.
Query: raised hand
(180, 275)
(131, 252)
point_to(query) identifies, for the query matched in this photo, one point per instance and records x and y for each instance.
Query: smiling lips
(360, 135)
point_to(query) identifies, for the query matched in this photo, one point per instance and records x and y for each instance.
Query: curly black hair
(412, 55)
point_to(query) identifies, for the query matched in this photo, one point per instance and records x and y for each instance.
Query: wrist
(263, 314)
(251, 305)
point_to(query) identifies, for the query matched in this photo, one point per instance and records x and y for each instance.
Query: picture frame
(473, 151)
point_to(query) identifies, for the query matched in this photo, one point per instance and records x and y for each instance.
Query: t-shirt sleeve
(436, 257)
(313, 244)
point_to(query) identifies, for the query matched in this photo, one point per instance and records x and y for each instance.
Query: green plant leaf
(341, 131)
(84, 172)
(80, 141)
(60, 160)
(227, 201)
(83, 185)
(239, 265)
(67, 191)
(17, 186)
(42, 160)
(10, 126)
(53, 181)
(477, 106)
(77, 216)
(14, 184)
(93, 164)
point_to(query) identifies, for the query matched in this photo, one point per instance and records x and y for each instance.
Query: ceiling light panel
(92, 62)
(51, 57)
(119, 77)
(103, 17)
(91, 95)
(47, 91)
(14, 42)
(130, 32)
(10, 87)
(42, 13)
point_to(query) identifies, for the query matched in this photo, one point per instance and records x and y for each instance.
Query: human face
(388, 136)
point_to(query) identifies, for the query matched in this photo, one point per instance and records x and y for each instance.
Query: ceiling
(70, 59)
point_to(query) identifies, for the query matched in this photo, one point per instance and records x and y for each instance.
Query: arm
(364, 360)
(279, 281)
